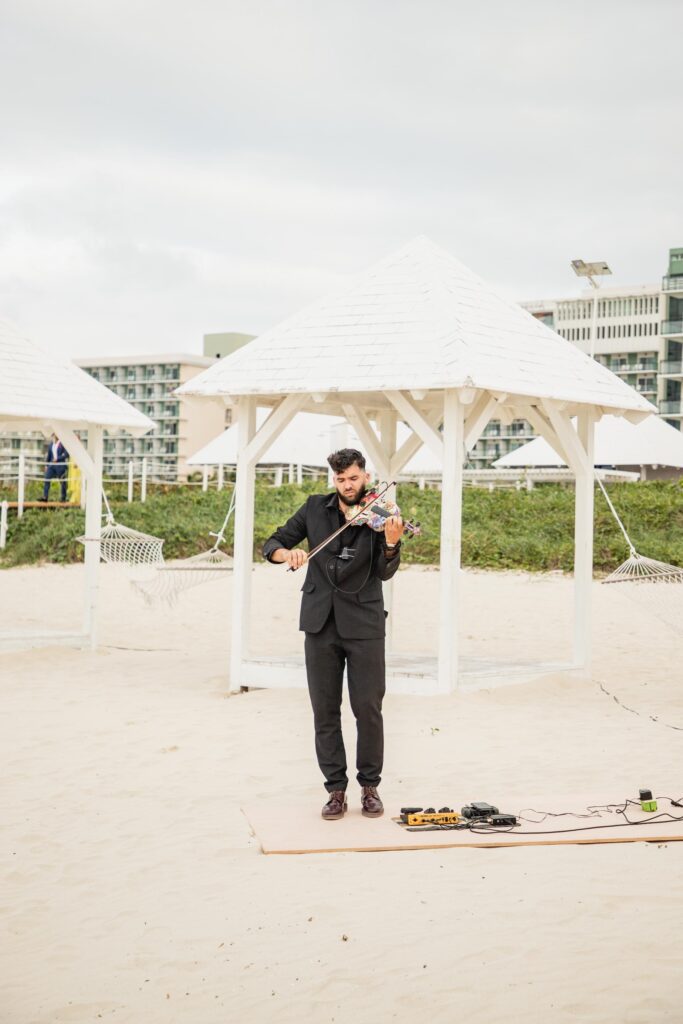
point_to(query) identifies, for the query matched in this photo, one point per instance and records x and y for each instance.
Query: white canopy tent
(420, 337)
(304, 441)
(307, 440)
(617, 443)
(39, 391)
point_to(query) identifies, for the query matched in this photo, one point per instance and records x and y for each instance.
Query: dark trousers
(326, 655)
(55, 471)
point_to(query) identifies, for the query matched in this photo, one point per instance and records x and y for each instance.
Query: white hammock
(123, 546)
(638, 571)
(637, 568)
(172, 578)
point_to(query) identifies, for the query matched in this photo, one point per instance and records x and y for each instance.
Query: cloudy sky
(170, 169)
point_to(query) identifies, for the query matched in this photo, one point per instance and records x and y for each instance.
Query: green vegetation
(502, 529)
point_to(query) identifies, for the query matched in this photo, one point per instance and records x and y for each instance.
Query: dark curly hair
(344, 458)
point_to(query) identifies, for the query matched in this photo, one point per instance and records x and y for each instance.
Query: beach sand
(134, 891)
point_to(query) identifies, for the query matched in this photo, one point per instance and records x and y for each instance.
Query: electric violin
(372, 511)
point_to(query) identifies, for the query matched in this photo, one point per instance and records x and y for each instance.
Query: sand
(134, 891)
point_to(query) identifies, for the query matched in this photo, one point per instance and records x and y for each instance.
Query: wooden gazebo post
(251, 445)
(89, 460)
(451, 534)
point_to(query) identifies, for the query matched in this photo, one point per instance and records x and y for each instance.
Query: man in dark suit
(343, 618)
(55, 467)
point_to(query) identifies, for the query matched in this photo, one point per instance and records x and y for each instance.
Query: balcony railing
(633, 368)
(672, 327)
(669, 408)
(672, 284)
(674, 367)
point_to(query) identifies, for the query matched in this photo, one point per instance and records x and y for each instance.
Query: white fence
(21, 469)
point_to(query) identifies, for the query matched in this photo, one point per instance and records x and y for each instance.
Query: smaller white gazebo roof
(38, 388)
(40, 391)
(652, 442)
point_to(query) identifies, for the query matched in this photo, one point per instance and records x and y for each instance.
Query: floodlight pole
(591, 271)
(594, 316)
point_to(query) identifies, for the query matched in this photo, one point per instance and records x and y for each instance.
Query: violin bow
(328, 540)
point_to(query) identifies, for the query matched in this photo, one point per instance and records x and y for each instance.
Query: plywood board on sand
(282, 826)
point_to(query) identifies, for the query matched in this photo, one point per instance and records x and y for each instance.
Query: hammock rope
(172, 578)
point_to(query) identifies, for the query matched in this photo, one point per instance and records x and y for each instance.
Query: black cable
(561, 831)
(340, 590)
(482, 827)
(665, 817)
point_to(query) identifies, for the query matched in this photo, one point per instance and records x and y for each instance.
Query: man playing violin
(343, 619)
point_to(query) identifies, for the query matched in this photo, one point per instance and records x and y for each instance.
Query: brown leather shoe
(371, 803)
(335, 806)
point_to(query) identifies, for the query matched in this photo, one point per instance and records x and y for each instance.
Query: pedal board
(428, 816)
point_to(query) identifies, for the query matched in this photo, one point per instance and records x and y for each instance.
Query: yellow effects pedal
(428, 816)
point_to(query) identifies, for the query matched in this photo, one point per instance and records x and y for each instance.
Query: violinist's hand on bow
(294, 558)
(393, 530)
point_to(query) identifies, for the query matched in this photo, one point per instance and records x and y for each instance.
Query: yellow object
(73, 483)
(433, 818)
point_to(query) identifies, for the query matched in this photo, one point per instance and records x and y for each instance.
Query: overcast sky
(170, 169)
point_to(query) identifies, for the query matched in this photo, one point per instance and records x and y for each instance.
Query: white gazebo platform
(417, 339)
(406, 674)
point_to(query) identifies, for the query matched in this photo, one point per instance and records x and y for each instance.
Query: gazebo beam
(451, 533)
(386, 425)
(277, 420)
(75, 447)
(413, 444)
(575, 453)
(363, 427)
(479, 415)
(542, 426)
(415, 419)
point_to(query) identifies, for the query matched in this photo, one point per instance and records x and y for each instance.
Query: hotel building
(183, 425)
(636, 331)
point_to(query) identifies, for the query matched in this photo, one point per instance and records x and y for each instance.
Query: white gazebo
(39, 391)
(422, 339)
(648, 446)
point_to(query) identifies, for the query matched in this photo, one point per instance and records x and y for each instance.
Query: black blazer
(62, 453)
(354, 587)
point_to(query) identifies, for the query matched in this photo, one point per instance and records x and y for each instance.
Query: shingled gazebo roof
(417, 320)
(38, 387)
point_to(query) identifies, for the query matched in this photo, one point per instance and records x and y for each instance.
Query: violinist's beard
(353, 499)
